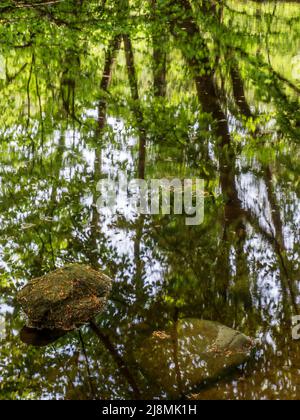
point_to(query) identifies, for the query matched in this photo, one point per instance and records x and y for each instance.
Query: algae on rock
(66, 298)
(192, 353)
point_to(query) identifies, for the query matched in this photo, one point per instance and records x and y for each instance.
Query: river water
(154, 91)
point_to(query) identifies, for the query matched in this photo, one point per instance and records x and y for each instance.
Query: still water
(166, 89)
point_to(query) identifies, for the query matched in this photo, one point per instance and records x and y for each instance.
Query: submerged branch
(92, 389)
(117, 358)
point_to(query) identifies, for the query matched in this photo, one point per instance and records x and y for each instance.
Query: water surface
(159, 90)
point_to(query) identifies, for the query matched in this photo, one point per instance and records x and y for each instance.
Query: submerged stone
(65, 299)
(191, 354)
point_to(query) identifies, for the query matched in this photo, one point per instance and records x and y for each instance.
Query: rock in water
(66, 298)
(192, 353)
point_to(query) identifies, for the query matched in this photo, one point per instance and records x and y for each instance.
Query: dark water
(159, 90)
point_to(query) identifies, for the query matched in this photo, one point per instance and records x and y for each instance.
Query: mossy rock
(66, 298)
(191, 354)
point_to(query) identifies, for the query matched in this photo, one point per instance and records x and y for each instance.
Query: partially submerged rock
(65, 299)
(190, 354)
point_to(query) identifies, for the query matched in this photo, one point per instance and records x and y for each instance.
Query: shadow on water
(40, 338)
(175, 90)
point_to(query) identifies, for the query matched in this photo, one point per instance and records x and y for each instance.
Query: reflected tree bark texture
(159, 40)
(239, 91)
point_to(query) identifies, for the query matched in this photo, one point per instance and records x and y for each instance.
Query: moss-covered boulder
(191, 353)
(66, 298)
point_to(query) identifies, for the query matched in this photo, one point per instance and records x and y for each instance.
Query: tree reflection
(159, 89)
